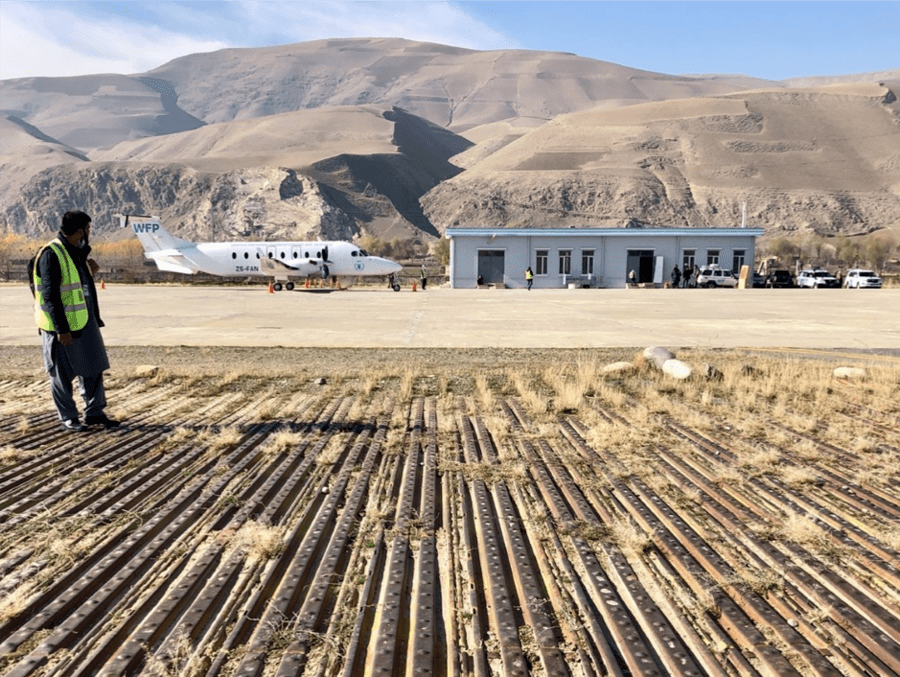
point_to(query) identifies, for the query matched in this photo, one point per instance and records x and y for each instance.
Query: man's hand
(64, 339)
(94, 266)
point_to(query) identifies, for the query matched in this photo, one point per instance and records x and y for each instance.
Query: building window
(738, 260)
(540, 262)
(587, 261)
(688, 260)
(565, 261)
(712, 257)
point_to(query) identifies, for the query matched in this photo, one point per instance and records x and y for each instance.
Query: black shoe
(72, 425)
(101, 420)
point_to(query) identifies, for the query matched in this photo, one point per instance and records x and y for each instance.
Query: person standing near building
(68, 317)
(529, 277)
(424, 277)
(676, 277)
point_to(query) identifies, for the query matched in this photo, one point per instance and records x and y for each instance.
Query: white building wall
(610, 247)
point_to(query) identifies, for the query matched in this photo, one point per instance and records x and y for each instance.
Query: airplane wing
(274, 266)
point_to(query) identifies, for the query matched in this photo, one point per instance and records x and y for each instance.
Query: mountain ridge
(405, 139)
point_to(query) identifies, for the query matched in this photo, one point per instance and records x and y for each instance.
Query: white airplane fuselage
(345, 259)
(279, 260)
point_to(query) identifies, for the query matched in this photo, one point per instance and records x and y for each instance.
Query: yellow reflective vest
(70, 288)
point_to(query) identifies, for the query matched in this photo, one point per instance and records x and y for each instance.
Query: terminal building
(591, 257)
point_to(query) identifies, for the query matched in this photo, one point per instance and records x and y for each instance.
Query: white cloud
(72, 38)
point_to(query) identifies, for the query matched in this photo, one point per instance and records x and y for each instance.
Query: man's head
(75, 226)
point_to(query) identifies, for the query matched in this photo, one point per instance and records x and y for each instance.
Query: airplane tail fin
(151, 234)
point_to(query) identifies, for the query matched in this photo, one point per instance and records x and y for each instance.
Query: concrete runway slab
(377, 318)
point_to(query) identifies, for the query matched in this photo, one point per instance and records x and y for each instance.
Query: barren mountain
(226, 143)
(826, 159)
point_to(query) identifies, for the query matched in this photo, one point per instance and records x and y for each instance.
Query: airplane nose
(386, 267)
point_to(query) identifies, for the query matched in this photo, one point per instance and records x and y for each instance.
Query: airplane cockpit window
(354, 253)
(363, 252)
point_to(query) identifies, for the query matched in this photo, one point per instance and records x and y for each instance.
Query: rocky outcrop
(276, 202)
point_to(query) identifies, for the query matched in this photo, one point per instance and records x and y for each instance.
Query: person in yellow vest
(529, 277)
(68, 317)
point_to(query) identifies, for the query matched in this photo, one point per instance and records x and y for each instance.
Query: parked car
(816, 278)
(858, 278)
(779, 278)
(716, 277)
(759, 280)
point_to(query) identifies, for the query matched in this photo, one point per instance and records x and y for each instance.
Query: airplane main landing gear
(289, 286)
(277, 286)
(396, 287)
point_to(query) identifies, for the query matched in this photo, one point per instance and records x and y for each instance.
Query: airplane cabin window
(282, 254)
(307, 254)
(353, 253)
(295, 255)
(246, 255)
(318, 254)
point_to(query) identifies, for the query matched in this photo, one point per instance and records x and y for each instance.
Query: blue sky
(766, 39)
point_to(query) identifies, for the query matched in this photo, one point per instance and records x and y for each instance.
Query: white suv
(817, 278)
(716, 277)
(857, 278)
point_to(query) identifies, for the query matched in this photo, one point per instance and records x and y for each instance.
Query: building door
(641, 262)
(491, 266)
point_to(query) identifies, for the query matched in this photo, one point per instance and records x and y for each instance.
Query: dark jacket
(49, 270)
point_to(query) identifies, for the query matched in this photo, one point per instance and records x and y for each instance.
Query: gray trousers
(90, 387)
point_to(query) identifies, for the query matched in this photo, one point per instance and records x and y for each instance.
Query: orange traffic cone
(102, 284)
(307, 283)
(414, 285)
(271, 288)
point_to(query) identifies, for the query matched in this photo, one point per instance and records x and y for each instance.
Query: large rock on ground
(657, 356)
(850, 373)
(677, 369)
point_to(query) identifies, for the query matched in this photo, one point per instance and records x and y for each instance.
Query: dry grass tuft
(799, 476)
(224, 438)
(15, 602)
(571, 383)
(11, 454)
(801, 529)
(177, 658)
(891, 537)
(532, 400)
(281, 441)
(485, 393)
(864, 445)
(259, 540)
(631, 541)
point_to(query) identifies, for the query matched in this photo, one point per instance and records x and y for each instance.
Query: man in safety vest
(68, 317)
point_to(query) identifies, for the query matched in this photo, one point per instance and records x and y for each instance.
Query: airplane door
(270, 252)
(295, 253)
